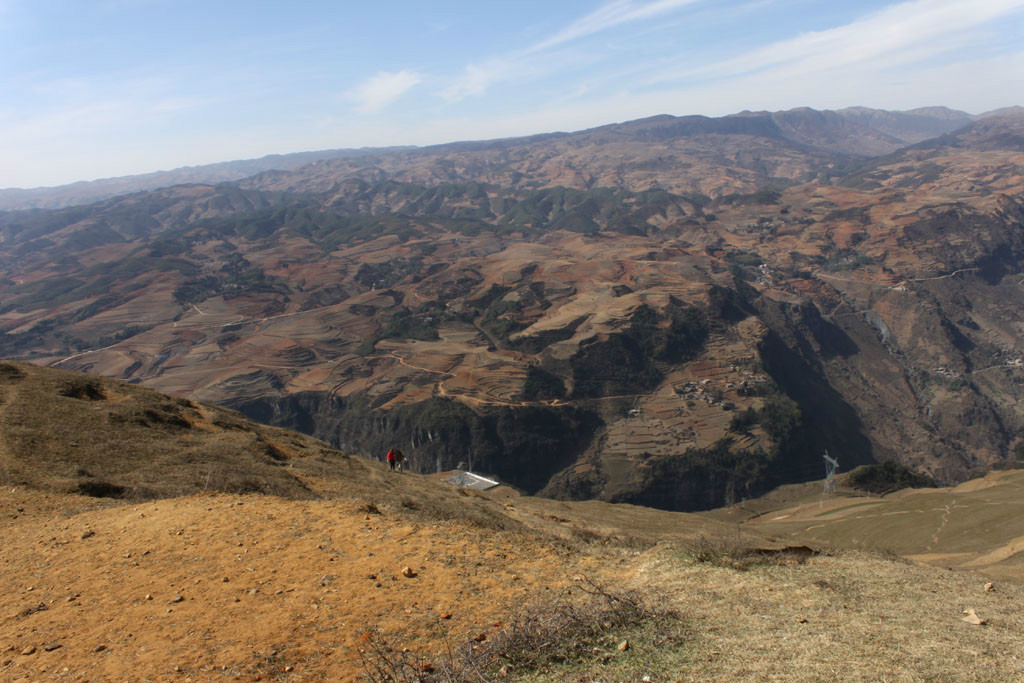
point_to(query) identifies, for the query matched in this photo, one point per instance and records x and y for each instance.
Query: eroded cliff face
(525, 446)
(576, 336)
(917, 372)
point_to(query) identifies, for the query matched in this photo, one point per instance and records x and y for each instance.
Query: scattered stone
(973, 618)
(148, 596)
(646, 679)
(99, 648)
(623, 646)
(30, 650)
(254, 591)
(178, 598)
(225, 579)
(88, 534)
(371, 577)
(28, 611)
(480, 638)
(408, 572)
(52, 646)
(989, 587)
(289, 669)
(446, 615)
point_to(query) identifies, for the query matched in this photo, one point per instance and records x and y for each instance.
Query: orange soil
(269, 588)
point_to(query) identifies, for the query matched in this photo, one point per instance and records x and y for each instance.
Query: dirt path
(943, 521)
(898, 284)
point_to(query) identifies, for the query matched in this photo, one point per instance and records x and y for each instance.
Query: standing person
(391, 459)
(399, 459)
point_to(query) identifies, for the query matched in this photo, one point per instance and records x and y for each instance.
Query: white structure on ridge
(831, 465)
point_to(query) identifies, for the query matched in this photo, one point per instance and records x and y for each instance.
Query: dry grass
(741, 551)
(126, 442)
(578, 634)
(978, 525)
(840, 616)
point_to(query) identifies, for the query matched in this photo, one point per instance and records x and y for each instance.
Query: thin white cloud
(608, 16)
(899, 34)
(380, 90)
(477, 78)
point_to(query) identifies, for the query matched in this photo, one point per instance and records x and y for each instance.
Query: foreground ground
(338, 569)
(215, 587)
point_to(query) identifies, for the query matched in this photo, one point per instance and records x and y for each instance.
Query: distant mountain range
(857, 131)
(677, 311)
(87, 191)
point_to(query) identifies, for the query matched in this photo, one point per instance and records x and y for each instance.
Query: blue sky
(99, 88)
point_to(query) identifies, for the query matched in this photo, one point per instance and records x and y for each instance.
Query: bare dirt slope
(213, 586)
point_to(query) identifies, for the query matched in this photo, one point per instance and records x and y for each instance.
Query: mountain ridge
(88, 191)
(655, 313)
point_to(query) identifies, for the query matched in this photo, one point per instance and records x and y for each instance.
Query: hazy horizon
(127, 87)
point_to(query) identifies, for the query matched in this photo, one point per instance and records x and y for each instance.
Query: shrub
(888, 477)
(743, 420)
(539, 636)
(541, 384)
(780, 417)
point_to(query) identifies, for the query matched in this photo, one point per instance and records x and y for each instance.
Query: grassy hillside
(351, 572)
(976, 525)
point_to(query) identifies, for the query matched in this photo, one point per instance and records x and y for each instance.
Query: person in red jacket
(391, 459)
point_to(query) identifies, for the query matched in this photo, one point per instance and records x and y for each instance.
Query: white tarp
(468, 480)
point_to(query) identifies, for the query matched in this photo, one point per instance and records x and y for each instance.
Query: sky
(100, 88)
